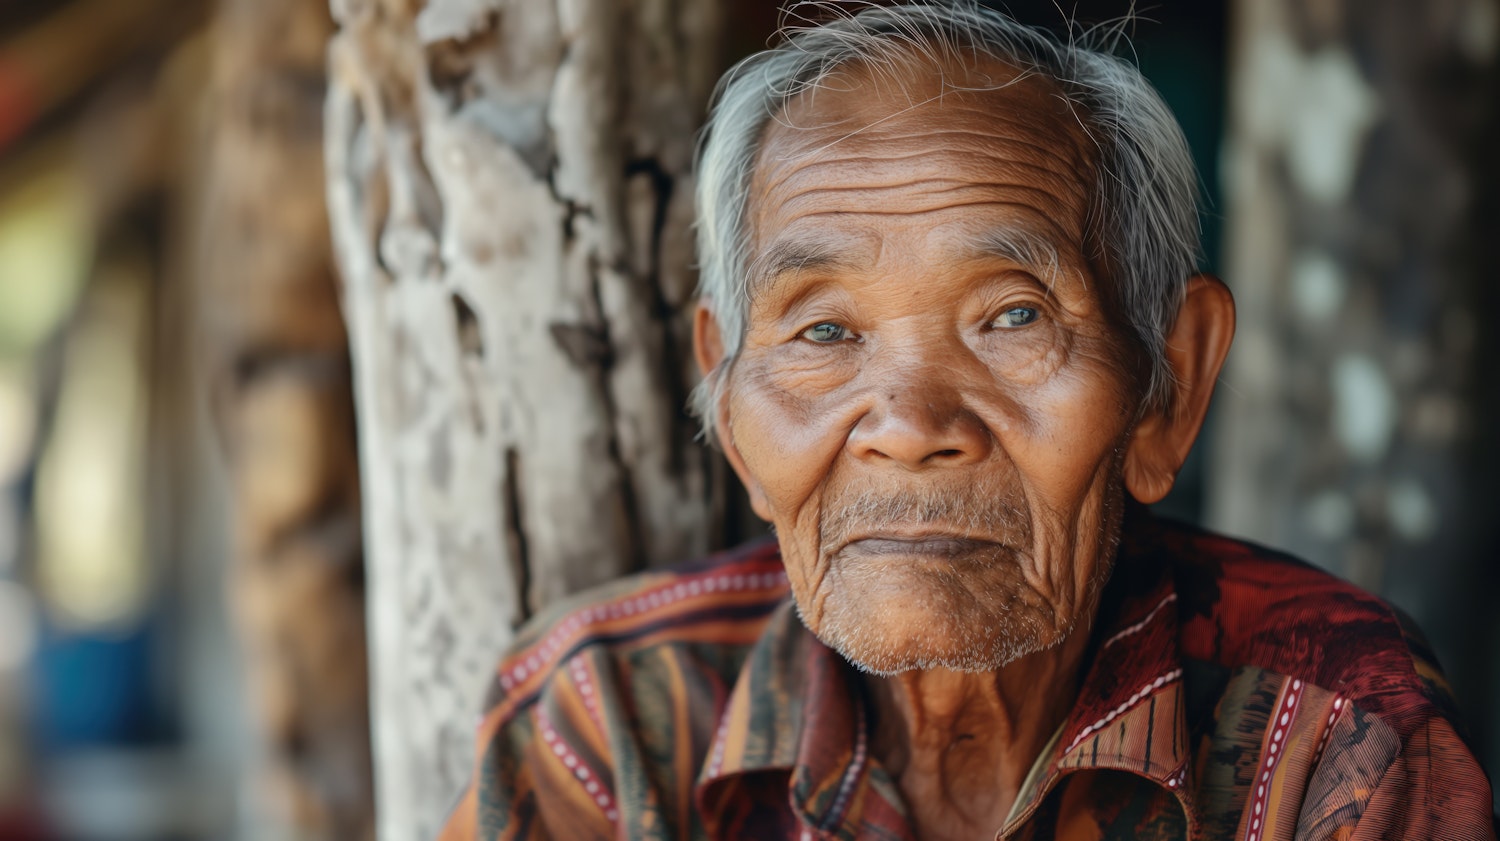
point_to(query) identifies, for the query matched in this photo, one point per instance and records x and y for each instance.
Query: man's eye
(826, 333)
(1017, 317)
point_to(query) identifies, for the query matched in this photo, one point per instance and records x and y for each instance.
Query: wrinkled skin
(938, 411)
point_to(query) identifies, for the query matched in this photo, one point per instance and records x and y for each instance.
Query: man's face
(930, 403)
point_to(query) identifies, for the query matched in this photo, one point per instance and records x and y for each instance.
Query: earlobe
(1195, 351)
(708, 350)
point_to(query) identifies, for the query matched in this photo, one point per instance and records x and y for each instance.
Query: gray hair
(1145, 210)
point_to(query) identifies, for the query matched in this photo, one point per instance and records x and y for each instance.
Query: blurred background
(182, 579)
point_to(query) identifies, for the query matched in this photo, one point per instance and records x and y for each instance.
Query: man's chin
(887, 636)
(887, 661)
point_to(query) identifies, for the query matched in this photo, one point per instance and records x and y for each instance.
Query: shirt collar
(1130, 714)
(797, 710)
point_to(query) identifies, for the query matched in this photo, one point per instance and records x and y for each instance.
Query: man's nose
(920, 419)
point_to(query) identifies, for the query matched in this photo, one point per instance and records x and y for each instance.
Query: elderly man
(953, 343)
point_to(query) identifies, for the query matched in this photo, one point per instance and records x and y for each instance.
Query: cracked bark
(510, 202)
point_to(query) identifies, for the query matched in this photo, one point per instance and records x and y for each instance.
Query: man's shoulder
(1241, 604)
(721, 602)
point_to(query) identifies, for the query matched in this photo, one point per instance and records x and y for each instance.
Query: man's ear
(1195, 351)
(708, 349)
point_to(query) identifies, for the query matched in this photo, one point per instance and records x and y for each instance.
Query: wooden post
(510, 201)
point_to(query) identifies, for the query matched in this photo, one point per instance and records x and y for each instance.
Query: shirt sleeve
(500, 802)
(1433, 789)
(461, 824)
(525, 788)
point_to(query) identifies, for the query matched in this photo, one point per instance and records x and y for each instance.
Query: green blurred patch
(46, 244)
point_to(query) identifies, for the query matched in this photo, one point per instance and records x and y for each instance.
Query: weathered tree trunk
(1362, 388)
(282, 399)
(508, 186)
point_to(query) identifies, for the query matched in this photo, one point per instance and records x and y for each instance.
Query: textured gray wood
(1357, 403)
(510, 204)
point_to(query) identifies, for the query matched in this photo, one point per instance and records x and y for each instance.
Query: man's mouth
(937, 546)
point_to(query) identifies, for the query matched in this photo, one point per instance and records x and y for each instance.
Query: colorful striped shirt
(1233, 693)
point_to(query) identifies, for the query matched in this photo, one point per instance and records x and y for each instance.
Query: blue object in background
(93, 689)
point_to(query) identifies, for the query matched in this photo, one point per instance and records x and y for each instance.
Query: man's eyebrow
(788, 257)
(1024, 248)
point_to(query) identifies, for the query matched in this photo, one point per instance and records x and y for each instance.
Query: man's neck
(960, 744)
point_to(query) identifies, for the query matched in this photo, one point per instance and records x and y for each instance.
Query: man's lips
(937, 545)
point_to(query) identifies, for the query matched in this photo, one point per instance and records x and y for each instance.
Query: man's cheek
(1067, 542)
(806, 567)
(1075, 423)
(785, 443)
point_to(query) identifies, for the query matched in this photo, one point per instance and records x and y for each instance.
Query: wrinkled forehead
(937, 88)
(949, 125)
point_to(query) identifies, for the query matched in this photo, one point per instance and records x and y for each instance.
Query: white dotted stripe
(1178, 778)
(649, 601)
(587, 779)
(716, 756)
(1125, 707)
(1281, 727)
(1333, 716)
(578, 670)
(1168, 599)
(851, 774)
